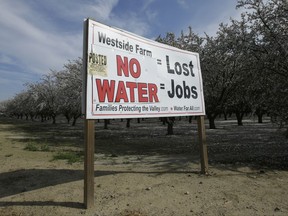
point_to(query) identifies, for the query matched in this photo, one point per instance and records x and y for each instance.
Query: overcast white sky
(39, 35)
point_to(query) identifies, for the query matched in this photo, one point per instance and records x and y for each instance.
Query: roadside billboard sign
(128, 76)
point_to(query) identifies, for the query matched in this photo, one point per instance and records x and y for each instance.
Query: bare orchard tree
(269, 22)
(236, 40)
(3, 107)
(46, 93)
(14, 106)
(218, 73)
(69, 83)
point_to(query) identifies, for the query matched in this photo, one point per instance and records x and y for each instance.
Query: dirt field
(139, 171)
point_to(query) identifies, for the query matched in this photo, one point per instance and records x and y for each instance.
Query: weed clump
(34, 146)
(70, 156)
(31, 147)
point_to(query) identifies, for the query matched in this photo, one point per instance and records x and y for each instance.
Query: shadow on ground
(26, 180)
(21, 181)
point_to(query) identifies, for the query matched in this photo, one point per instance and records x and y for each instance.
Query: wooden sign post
(89, 164)
(202, 145)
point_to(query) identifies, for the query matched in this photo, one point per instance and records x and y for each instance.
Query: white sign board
(128, 76)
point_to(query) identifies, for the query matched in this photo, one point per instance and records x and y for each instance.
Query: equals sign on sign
(162, 86)
(159, 62)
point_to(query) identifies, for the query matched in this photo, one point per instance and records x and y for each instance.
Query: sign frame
(89, 126)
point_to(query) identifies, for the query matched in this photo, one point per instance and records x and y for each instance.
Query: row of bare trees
(244, 68)
(57, 93)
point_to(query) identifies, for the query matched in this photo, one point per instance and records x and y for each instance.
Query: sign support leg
(89, 164)
(203, 145)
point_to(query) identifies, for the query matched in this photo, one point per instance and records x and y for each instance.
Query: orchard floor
(140, 171)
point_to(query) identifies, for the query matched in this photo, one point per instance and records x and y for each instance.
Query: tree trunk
(128, 123)
(259, 112)
(225, 115)
(170, 123)
(212, 121)
(68, 118)
(42, 118)
(239, 117)
(74, 121)
(260, 118)
(75, 117)
(54, 119)
(106, 122)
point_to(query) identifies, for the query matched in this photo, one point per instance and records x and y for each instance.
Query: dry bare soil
(139, 171)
